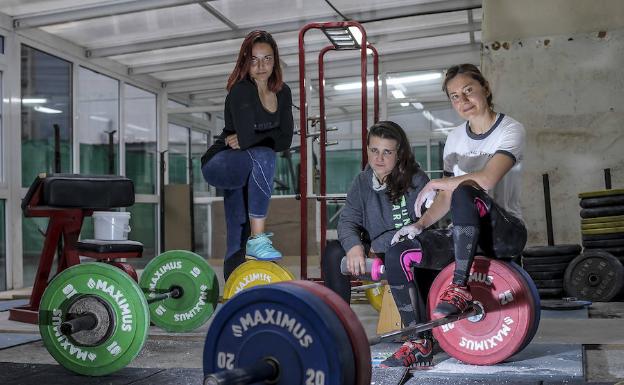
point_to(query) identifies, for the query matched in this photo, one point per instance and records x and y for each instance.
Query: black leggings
(411, 267)
(479, 222)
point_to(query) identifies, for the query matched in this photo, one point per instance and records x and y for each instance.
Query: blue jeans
(246, 178)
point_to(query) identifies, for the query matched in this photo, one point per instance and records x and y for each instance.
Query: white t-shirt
(466, 152)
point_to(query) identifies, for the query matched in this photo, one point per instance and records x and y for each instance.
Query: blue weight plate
(536, 300)
(285, 322)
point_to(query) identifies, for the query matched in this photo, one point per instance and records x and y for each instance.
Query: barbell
(303, 333)
(94, 318)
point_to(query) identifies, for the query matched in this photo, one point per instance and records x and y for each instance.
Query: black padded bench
(66, 199)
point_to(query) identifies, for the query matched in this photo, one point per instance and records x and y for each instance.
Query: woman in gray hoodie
(379, 203)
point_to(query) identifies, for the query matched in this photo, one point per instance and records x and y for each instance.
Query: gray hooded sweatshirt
(368, 210)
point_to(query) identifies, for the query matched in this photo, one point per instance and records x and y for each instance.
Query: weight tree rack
(341, 38)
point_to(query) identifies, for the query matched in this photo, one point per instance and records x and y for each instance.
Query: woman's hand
(426, 196)
(409, 231)
(356, 262)
(232, 141)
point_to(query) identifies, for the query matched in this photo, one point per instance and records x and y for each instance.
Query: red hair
(243, 63)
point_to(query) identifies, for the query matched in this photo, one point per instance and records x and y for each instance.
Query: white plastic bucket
(111, 225)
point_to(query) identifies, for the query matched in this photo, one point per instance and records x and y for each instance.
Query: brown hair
(469, 70)
(399, 180)
(243, 63)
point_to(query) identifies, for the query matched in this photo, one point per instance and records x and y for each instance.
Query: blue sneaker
(261, 248)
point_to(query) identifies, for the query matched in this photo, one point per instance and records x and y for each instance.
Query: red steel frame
(323, 132)
(303, 106)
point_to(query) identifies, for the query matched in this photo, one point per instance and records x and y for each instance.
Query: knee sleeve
(467, 205)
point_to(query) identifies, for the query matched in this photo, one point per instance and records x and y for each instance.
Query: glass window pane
(33, 230)
(202, 229)
(286, 171)
(140, 138)
(143, 229)
(46, 114)
(2, 247)
(199, 145)
(98, 117)
(178, 154)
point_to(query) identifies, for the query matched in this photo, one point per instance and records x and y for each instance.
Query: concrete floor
(601, 336)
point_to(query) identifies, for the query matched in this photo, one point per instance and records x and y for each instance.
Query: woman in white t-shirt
(481, 188)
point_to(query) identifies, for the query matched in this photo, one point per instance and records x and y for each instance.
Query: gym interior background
(153, 81)
(137, 87)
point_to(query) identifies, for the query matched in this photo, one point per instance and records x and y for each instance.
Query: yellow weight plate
(601, 193)
(613, 218)
(592, 226)
(254, 273)
(606, 230)
(374, 295)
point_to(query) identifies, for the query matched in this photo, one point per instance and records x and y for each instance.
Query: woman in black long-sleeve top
(258, 123)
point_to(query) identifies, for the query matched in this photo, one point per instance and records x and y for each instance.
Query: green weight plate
(595, 226)
(614, 218)
(119, 336)
(199, 284)
(605, 230)
(254, 273)
(601, 193)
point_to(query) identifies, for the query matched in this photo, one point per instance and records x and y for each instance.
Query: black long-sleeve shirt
(255, 126)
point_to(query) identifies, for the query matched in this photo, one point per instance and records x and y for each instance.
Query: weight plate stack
(602, 223)
(546, 266)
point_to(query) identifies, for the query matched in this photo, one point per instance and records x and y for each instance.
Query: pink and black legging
(479, 221)
(411, 267)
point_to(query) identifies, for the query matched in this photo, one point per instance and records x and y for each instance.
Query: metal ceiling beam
(335, 68)
(215, 12)
(362, 17)
(293, 49)
(66, 15)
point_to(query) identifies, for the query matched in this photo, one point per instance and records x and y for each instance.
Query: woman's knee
(400, 259)
(465, 193)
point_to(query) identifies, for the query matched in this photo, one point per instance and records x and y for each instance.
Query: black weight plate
(594, 276)
(550, 292)
(602, 201)
(615, 251)
(564, 304)
(602, 211)
(539, 275)
(549, 284)
(602, 237)
(601, 193)
(528, 261)
(546, 267)
(547, 251)
(604, 243)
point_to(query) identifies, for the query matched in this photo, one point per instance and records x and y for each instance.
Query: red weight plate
(351, 323)
(508, 320)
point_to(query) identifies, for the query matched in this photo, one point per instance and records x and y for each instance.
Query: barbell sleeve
(264, 370)
(86, 321)
(176, 292)
(375, 270)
